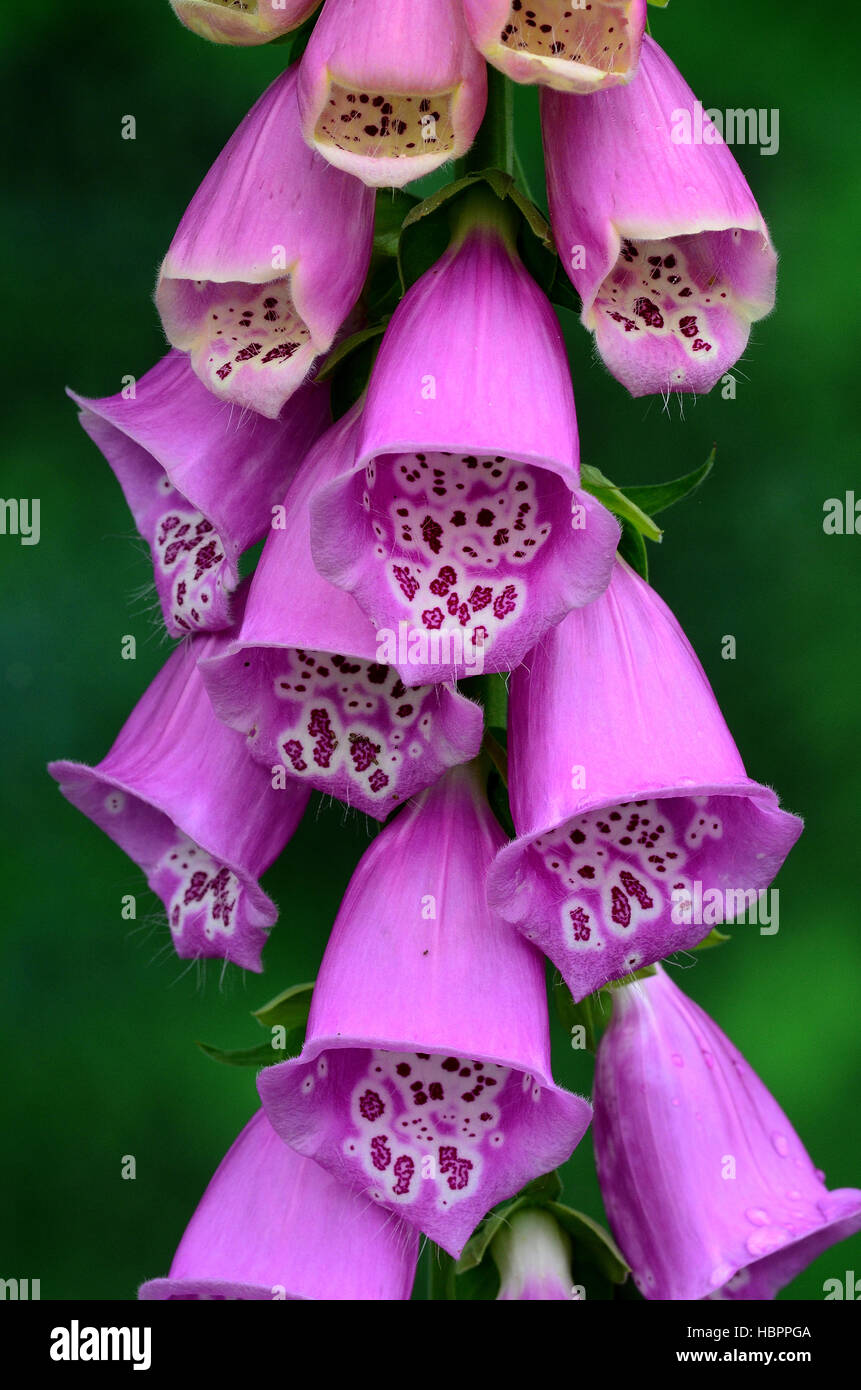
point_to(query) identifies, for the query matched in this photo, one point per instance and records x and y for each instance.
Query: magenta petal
(629, 797)
(273, 1225)
(574, 48)
(180, 795)
(268, 260)
(709, 1190)
(425, 1079)
(461, 529)
(661, 236)
(305, 680)
(200, 480)
(391, 92)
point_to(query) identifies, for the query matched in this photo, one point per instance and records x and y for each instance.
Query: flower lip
(558, 45)
(350, 1105)
(208, 1290)
(151, 839)
(388, 95)
(242, 22)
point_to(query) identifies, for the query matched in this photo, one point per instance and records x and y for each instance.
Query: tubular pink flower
(200, 479)
(462, 518)
(273, 1225)
(708, 1188)
(389, 92)
(303, 679)
(242, 22)
(657, 229)
(425, 1079)
(179, 794)
(268, 260)
(574, 48)
(629, 797)
(533, 1256)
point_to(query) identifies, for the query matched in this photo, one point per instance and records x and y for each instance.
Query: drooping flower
(657, 229)
(268, 260)
(629, 797)
(200, 479)
(425, 1079)
(242, 22)
(708, 1188)
(533, 1256)
(463, 518)
(391, 92)
(180, 795)
(274, 1225)
(306, 681)
(572, 47)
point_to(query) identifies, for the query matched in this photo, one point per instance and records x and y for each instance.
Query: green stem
(441, 1281)
(493, 147)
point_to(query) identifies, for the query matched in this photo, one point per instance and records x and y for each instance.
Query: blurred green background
(99, 1017)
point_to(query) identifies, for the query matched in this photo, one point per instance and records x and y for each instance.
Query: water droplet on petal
(766, 1239)
(757, 1216)
(720, 1275)
(678, 1059)
(780, 1144)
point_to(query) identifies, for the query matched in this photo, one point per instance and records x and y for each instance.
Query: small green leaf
(264, 1055)
(477, 1246)
(592, 1239)
(656, 497)
(618, 502)
(632, 548)
(289, 1009)
(347, 346)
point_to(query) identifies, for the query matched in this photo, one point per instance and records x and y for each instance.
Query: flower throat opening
(381, 125)
(255, 327)
(596, 35)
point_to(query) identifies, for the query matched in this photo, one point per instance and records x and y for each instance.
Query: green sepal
(264, 1055)
(621, 504)
(592, 1240)
(542, 1191)
(289, 1009)
(656, 497)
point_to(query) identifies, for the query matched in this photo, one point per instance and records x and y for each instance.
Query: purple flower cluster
(440, 529)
